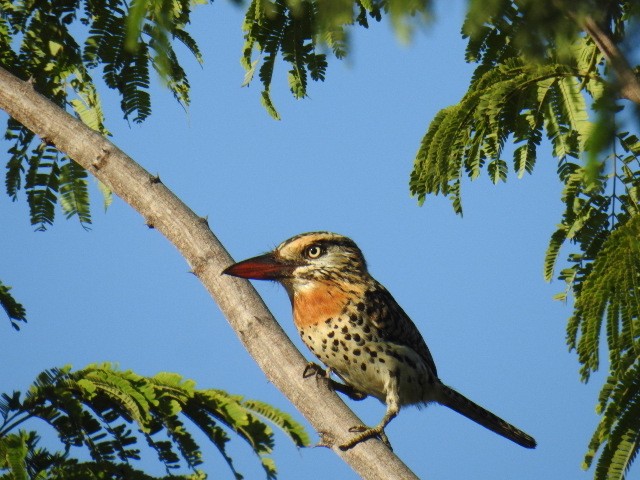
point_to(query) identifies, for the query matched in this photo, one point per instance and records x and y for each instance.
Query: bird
(354, 326)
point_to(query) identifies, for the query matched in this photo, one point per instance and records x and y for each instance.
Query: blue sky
(339, 161)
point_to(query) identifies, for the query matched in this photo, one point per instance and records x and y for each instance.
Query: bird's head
(305, 259)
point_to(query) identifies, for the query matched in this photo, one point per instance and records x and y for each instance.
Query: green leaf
(13, 453)
(497, 170)
(96, 406)
(14, 310)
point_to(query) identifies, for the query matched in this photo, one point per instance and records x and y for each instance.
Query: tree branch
(246, 313)
(627, 79)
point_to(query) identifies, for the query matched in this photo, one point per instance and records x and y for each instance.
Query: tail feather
(461, 404)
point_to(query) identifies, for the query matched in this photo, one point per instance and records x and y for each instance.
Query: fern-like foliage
(617, 433)
(14, 310)
(125, 40)
(99, 408)
(516, 100)
(299, 30)
(537, 76)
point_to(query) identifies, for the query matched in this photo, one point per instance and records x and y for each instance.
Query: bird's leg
(347, 390)
(315, 369)
(393, 408)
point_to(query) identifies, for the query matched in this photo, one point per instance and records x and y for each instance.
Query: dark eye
(314, 251)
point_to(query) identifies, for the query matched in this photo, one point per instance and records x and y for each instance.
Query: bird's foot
(365, 434)
(320, 373)
(315, 369)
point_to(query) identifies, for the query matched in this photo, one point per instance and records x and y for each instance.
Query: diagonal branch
(627, 79)
(246, 313)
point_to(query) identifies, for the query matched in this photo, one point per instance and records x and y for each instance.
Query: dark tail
(461, 404)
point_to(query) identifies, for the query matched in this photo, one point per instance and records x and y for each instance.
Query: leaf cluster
(539, 76)
(605, 280)
(301, 31)
(14, 310)
(296, 30)
(514, 100)
(57, 46)
(99, 407)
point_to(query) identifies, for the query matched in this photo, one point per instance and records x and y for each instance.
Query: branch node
(47, 141)
(198, 266)
(101, 159)
(327, 440)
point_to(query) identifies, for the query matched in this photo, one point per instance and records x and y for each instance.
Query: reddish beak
(264, 267)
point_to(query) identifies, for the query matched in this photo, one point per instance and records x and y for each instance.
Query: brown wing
(393, 324)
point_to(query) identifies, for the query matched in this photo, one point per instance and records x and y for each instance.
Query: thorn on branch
(204, 220)
(155, 179)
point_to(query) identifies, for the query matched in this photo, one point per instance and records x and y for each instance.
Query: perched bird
(355, 327)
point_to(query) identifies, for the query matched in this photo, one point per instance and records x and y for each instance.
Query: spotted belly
(366, 362)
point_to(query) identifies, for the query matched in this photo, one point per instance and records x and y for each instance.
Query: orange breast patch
(316, 305)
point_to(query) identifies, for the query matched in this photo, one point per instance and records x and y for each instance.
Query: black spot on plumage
(360, 306)
(356, 351)
(347, 336)
(345, 329)
(336, 342)
(363, 366)
(331, 334)
(393, 354)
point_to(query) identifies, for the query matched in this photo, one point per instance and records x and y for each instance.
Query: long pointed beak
(263, 267)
